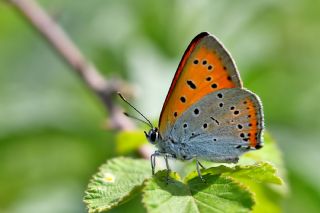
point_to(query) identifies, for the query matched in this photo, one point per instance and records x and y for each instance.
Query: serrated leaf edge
(92, 180)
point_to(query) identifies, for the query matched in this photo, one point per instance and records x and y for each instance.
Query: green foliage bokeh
(51, 135)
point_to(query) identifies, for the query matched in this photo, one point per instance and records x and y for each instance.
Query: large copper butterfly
(207, 114)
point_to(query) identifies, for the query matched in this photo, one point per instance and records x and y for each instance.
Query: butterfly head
(153, 135)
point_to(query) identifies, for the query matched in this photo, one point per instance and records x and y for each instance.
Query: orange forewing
(204, 68)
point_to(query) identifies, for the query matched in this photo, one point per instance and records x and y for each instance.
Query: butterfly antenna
(131, 116)
(147, 120)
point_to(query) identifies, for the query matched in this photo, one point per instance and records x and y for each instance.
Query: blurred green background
(51, 135)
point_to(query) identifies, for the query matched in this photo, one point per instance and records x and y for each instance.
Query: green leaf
(218, 194)
(261, 172)
(270, 152)
(116, 182)
(268, 197)
(256, 176)
(127, 141)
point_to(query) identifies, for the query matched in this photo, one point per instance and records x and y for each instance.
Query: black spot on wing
(183, 99)
(191, 84)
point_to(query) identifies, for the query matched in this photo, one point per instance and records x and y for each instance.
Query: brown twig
(58, 39)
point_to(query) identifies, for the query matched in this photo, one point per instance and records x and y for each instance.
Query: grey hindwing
(214, 128)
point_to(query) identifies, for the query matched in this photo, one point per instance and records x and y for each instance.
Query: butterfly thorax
(175, 148)
(167, 145)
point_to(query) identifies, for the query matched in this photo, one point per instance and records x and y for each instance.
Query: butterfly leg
(167, 165)
(198, 164)
(201, 165)
(153, 161)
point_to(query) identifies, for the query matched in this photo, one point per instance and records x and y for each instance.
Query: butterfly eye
(153, 136)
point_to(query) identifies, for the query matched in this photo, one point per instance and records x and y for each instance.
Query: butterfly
(207, 114)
